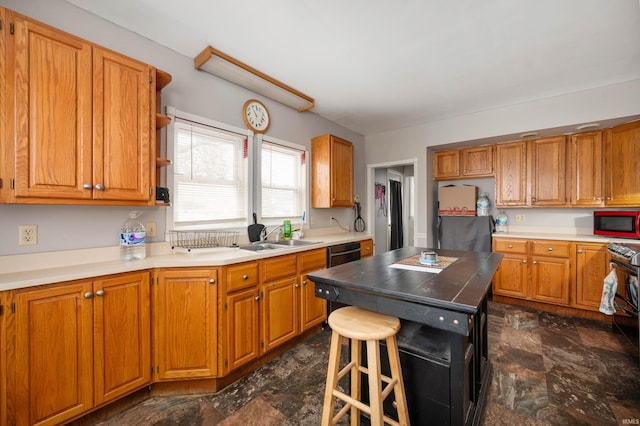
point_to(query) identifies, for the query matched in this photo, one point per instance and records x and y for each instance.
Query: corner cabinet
(78, 345)
(85, 120)
(331, 172)
(185, 323)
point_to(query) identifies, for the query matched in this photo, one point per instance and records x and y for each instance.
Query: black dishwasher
(337, 255)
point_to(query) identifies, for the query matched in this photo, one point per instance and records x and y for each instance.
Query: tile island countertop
(28, 270)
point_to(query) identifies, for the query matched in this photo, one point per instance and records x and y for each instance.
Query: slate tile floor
(548, 370)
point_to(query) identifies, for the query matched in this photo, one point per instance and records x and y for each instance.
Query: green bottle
(287, 229)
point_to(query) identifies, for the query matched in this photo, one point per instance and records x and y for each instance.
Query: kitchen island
(443, 340)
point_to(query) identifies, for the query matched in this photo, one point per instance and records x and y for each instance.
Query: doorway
(389, 230)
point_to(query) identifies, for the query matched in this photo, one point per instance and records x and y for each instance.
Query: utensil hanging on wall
(359, 224)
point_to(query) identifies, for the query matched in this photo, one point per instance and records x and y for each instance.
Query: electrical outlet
(151, 229)
(27, 235)
(520, 218)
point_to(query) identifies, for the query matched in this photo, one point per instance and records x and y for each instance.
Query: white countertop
(21, 271)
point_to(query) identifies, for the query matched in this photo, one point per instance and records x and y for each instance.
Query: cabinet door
(366, 248)
(592, 265)
(243, 334)
(511, 174)
(122, 335)
(313, 310)
(6, 112)
(341, 173)
(622, 154)
(511, 277)
(279, 312)
(550, 279)
(54, 353)
(121, 127)
(446, 164)
(53, 148)
(185, 324)
(477, 161)
(587, 166)
(548, 175)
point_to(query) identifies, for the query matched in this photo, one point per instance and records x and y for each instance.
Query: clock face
(256, 116)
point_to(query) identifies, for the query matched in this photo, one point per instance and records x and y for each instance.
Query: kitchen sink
(294, 243)
(260, 247)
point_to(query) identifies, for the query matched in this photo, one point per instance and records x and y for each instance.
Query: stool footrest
(359, 405)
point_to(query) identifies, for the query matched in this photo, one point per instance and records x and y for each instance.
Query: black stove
(626, 252)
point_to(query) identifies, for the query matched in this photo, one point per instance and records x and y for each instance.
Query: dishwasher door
(343, 253)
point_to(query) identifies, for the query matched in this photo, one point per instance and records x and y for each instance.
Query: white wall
(605, 103)
(196, 92)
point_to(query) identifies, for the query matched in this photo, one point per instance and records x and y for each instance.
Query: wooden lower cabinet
(537, 270)
(592, 266)
(278, 291)
(185, 323)
(313, 310)
(242, 333)
(78, 345)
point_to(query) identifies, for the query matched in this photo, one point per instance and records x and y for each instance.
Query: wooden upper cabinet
(622, 165)
(511, 174)
(586, 159)
(471, 162)
(331, 172)
(548, 171)
(121, 127)
(83, 121)
(53, 147)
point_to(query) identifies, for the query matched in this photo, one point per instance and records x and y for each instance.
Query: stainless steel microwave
(624, 224)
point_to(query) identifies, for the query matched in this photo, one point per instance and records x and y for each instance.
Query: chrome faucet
(264, 234)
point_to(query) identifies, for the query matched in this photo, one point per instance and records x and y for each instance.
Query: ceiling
(379, 65)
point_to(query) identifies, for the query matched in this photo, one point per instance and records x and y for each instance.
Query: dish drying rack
(190, 240)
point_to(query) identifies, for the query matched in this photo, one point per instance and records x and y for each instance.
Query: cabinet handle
(297, 285)
(510, 246)
(598, 198)
(607, 198)
(100, 293)
(550, 249)
(88, 295)
(579, 251)
(524, 261)
(100, 187)
(257, 298)
(245, 277)
(535, 262)
(212, 281)
(87, 186)
(304, 282)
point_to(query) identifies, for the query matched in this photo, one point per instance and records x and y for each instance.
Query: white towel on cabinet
(608, 293)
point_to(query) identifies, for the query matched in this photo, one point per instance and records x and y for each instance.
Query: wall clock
(256, 116)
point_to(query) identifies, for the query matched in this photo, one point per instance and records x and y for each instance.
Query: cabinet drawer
(313, 260)
(550, 248)
(277, 267)
(366, 248)
(242, 276)
(510, 245)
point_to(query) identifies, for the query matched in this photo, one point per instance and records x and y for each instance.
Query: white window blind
(210, 177)
(283, 181)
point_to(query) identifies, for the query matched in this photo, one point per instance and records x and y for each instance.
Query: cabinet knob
(87, 186)
(245, 277)
(524, 261)
(580, 251)
(297, 285)
(535, 262)
(88, 295)
(598, 198)
(257, 298)
(212, 281)
(550, 249)
(607, 198)
(304, 282)
(100, 187)
(509, 246)
(100, 293)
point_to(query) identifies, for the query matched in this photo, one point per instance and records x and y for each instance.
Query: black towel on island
(472, 233)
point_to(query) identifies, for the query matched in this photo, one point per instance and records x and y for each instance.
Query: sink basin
(294, 243)
(260, 247)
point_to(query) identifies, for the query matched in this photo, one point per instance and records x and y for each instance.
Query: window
(220, 177)
(210, 177)
(283, 181)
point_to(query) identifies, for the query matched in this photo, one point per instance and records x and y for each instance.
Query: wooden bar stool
(362, 325)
